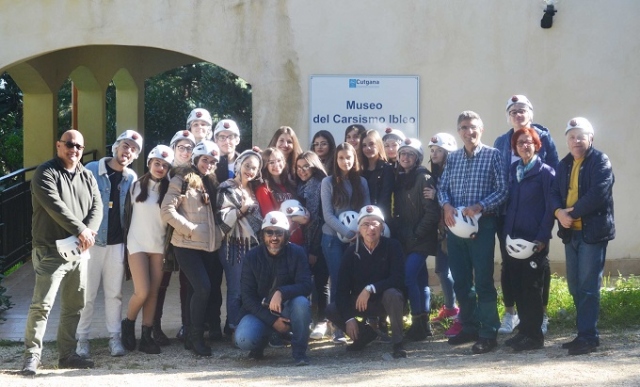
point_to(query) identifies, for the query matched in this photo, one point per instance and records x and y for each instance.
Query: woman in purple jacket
(527, 230)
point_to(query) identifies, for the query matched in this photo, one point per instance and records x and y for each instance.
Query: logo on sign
(353, 83)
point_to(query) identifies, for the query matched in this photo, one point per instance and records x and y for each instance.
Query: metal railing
(15, 215)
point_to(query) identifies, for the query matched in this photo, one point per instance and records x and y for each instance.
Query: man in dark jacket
(582, 199)
(227, 136)
(66, 202)
(275, 283)
(369, 285)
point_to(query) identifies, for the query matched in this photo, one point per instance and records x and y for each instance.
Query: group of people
(283, 225)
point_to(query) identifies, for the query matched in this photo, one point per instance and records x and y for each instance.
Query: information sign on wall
(374, 101)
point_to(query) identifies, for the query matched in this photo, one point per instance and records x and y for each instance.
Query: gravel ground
(432, 363)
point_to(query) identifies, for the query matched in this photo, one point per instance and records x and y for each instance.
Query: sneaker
(582, 347)
(319, 331)
(576, 342)
(115, 346)
(445, 313)
(30, 365)
(74, 361)
(275, 340)
(463, 338)
(484, 345)
(454, 329)
(301, 361)
(545, 324)
(398, 351)
(256, 354)
(515, 339)
(83, 348)
(509, 322)
(527, 344)
(338, 337)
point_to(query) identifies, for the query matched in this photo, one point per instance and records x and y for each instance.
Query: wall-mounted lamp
(547, 18)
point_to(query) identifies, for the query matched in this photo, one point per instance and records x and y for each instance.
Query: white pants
(106, 264)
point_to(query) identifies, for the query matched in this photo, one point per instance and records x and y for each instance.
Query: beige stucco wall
(468, 54)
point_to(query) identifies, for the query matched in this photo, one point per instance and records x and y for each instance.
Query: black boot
(199, 347)
(185, 336)
(426, 324)
(128, 328)
(147, 343)
(158, 335)
(416, 332)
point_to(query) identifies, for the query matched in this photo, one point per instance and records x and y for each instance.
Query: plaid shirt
(477, 179)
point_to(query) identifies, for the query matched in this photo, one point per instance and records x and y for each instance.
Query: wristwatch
(369, 288)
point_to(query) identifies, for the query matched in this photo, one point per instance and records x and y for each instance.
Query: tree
(169, 97)
(10, 125)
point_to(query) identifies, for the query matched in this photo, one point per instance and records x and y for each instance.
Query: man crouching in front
(275, 283)
(369, 282)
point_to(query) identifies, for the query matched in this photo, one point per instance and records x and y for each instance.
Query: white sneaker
(83, 348)
(509, 321)
(545, 324)
(115, 346)
(319, 331)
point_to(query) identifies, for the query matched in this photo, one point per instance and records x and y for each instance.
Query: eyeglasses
(303, 168)
(409, 155)
(320, 144)
(370, 224)
(70, 144)
(185, 148)
(222, 137)
(515, 112)
(522, 144)
(278, 233)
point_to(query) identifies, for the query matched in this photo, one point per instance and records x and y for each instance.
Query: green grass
(619, 303)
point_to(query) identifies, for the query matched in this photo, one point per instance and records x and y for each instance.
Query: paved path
(20, 287)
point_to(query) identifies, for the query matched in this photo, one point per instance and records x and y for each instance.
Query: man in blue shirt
(474, 182)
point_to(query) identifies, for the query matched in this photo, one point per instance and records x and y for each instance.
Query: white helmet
(415, 145)
(69, 249)
(348, 218)
(444, 141)
(581, 123)
(131, 135)
(275, 219)
(519, 98)
(394, 134)
(206, 147)
(292, 208)
(226, 124)
(199, 114)
(386, 232)
(182, 135)
(161, 152)
(370, 210)
(520, 248)
(466, 226)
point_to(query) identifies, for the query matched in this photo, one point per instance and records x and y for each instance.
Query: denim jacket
(99, 170)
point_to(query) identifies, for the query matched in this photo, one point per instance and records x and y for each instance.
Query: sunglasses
(70, 145)
(278, 233)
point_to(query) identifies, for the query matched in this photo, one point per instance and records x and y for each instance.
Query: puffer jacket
(415, 219)
(192, 214)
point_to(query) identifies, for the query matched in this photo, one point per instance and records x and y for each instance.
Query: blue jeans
(252, 333)
(585, 263)
(471, 262)
(446, 279)
(416, 278)
(233, 272)
(333, 248)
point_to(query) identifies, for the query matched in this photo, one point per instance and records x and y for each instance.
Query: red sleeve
(264, 200)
